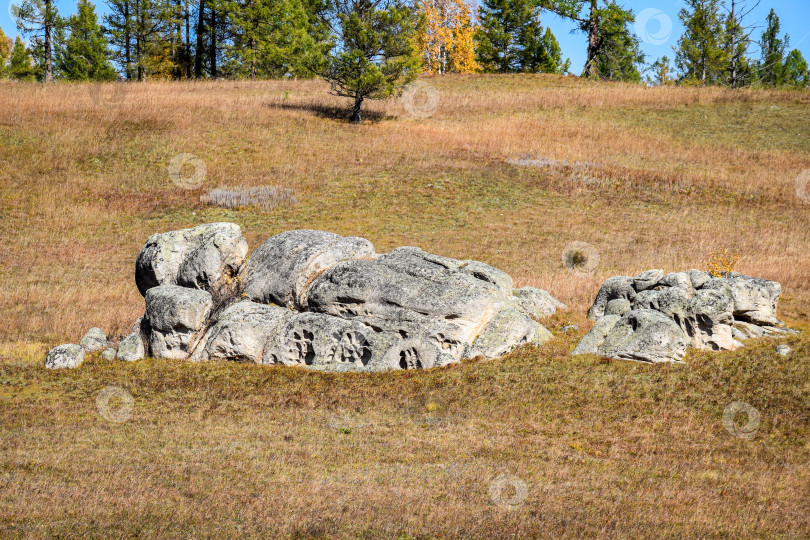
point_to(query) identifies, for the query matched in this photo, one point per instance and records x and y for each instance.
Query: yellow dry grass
(651, 178)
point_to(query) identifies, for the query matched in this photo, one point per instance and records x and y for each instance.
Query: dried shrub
(264, 197)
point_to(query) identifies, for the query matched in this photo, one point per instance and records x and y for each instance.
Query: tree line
(370, 48)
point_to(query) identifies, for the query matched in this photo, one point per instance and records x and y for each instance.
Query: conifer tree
(21, 65)
(772, 67)
(86, 56)
(40, 20)
(700, 55)
(511, 39)
(795, 70)
(271, 38)
(374, 51)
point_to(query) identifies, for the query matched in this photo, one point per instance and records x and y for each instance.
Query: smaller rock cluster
(655, 317)
(95, 340)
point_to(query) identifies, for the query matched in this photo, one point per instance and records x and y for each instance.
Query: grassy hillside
(509, 170)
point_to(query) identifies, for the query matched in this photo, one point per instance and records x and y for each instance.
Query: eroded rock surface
(320, 300)
(655, 317)
(205, 257)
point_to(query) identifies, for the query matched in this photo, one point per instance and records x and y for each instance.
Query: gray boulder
(65, 357)
(647, 280)
(537, 302)
(488, 274)
(176, 316)
(645, 335)
(207, 257)
(710, 320)
(755, 299)
(679, 280)
(699, 278)
(94, 340)
(672, 302)
(618, 306)
(241, 332)
(109, 354)
(131, 348)
(593, 340)
(281, 271)
(612, 288)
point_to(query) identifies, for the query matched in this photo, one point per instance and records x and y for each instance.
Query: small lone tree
(374, 52)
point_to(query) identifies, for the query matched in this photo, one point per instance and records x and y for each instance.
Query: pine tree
(511, 39)
(447, 42)
(374, 51)
(21, 65)
(5, 54)
(795, 70)
(736, 43)
(613, 50)
(504, 27)
(271, 38)
(661, 72)
(771, 70)
(618, 51)
(86, 57)
(120, 28)
(700, 54)
(39, 19)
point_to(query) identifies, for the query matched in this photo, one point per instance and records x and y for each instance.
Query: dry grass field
(509, 170)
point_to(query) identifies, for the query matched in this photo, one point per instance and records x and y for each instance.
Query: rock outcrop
(655, 317)
(323, 301)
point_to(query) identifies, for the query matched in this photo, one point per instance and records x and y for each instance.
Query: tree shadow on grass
(332, 112)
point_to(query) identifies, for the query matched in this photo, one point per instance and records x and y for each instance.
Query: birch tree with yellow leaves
(448, 42)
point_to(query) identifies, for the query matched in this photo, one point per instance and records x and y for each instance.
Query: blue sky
(654, 20)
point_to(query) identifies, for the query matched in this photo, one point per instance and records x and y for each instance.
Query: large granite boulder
(323, 301)
(655, 317)
(176, 316)
(207, 257)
